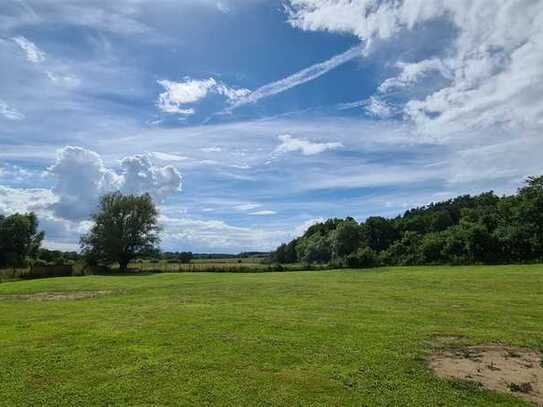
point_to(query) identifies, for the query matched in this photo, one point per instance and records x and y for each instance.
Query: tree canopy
(19, 239)
(125, 226)
(465, 230)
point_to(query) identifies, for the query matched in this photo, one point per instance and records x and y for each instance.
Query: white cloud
(9, 112)
(81, 178)
(378, 108)
(218, 236)
(492, 69)
(63, 79)
(231, 93)
(211, 149)
(140, 176)
(265, 212)
(371, 176)
(410, 73)
(15, 173)
(306, 147)
(179, 94)
(32, 52)
(246, 206)
(25, 199)
(168, 157)
(299, 78)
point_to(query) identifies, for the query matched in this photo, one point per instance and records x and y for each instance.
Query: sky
(249, 120)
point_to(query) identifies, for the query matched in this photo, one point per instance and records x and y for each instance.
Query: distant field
(216, 265)
(250, 260)
(327, 338)
(199, 265)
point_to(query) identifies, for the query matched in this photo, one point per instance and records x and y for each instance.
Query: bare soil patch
(505, 369)
(54, 296)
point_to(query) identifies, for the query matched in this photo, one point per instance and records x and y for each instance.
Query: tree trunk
(123, 266)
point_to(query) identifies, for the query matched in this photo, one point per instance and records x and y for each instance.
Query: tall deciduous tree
(125, 226)
(19, 238)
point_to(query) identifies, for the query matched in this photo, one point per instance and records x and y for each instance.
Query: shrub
(362, 258)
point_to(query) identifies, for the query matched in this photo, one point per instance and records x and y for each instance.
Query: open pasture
(329, 338)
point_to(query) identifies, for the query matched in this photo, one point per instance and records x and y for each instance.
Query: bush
(44, 271)
(362, 258)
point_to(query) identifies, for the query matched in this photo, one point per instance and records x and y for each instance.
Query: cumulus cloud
(9, 112)
(178, 94)
(140, 176)
(31, 50)
(492, 69)
(291, 144)
(81, 177)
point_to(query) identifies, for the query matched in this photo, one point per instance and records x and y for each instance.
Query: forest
(481, 229)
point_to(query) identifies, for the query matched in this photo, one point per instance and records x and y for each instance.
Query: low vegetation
(361, 338)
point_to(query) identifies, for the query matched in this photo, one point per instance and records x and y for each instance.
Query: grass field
(334, 338)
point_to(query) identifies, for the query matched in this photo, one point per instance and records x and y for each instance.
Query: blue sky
(248, 120)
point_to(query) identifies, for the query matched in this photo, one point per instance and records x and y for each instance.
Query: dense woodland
(465, 230)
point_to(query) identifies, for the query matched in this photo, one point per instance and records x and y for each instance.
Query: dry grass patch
(505, 369)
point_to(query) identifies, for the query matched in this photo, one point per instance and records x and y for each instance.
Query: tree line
(124, 227)
(468, 229)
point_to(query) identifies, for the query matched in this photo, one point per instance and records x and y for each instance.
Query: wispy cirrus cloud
(10, 112)
(31, 50)
(297, 79)
(490, 66)
(264, 212)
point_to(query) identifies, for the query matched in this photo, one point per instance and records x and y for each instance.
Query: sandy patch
(54, 296)
(500, 368)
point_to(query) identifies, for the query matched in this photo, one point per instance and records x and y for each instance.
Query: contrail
(305, 75)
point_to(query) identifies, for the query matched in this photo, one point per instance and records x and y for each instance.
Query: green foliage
(406, 251)
(286, 253)
(362, 258)
(19, 239)
(346, 238)
(315, 249)
(379, 233)
(125, 226)
(464, 230)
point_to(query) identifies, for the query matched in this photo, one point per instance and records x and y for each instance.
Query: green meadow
(319, 338)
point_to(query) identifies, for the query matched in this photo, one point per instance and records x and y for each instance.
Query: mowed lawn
(329, 338)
